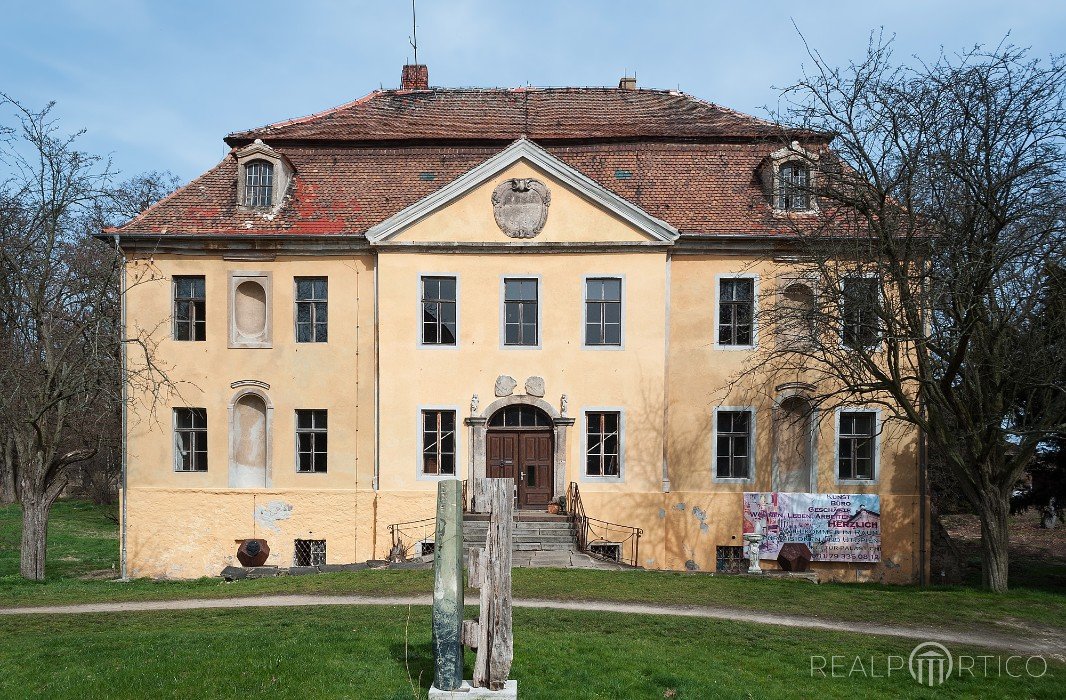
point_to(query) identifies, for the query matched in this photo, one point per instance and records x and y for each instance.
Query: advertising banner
(836, 527)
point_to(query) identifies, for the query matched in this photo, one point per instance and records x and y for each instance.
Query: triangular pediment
(523, 194)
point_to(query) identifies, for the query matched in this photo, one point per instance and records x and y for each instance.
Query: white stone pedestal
(469, 692)
(751, 543)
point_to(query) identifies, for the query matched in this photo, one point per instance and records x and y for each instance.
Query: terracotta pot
(553, 508)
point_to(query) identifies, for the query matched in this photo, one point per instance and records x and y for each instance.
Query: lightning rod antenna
(413, 39)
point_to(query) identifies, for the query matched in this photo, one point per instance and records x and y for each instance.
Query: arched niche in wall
(794, 448)
(251, 424)
(250, 310)
(797, 313)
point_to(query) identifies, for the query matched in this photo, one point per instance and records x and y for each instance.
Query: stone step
(477, 542)
(538, 547)
(520, 517)
(564, 530)
(536, 525)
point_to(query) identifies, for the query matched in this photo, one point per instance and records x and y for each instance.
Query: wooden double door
(525, 456)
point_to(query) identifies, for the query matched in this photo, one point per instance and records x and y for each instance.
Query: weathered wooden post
(448, 587)
(495, 644)
(490, 570)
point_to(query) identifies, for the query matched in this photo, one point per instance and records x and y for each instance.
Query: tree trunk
(35, 512)
(8, 491)
(994, 540)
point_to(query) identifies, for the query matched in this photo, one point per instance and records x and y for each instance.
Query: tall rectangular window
(190, 439)
(438, 311)
(520, 311)
(312, 321)
(858, 313)
(733, 444)
(311, 441)
(603, 311)
(438, 442)
(736, 311)
(855, 445)
(602, 443)
(794, 187)
(190, 308)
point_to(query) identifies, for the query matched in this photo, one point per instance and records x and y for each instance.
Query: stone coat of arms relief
(520, 206)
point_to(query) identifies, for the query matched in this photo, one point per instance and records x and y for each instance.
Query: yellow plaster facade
(374, 377)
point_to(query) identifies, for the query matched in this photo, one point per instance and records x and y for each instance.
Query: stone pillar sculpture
(448, 586)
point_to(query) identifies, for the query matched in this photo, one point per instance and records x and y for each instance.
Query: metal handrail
(409, 533)
(626, 536)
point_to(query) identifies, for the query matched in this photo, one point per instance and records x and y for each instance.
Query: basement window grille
(427, 548)
(730, 560)
(607, 550)
(309, 553)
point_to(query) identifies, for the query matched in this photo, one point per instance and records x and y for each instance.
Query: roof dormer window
(259, 183)
(263, 177)
(794, 187)
(789, 177)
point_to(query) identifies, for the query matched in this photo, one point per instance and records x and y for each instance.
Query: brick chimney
(627, 83)
(415, 77)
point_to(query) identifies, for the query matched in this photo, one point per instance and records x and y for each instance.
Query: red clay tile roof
(688, 162)
(697, 188)
(540, 114)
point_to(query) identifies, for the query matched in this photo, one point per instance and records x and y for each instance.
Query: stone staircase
(533, 532)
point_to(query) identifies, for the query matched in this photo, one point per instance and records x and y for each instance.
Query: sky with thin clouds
(158, 84)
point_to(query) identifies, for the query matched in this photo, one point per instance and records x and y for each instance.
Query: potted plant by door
(557, 505)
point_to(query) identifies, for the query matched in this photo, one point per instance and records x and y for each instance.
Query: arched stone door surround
(479, 429)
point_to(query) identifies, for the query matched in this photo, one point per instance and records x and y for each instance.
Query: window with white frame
(733, 443)
(736, 311)
(311, 441)
(793, 187)
(602, 443)
(856, 447)
(438, 311)
(190, 308)
(259, 183)
(438, 442)
(603, 311)
(860, 300)
(520, 300)
(312, 315)
(190, 439)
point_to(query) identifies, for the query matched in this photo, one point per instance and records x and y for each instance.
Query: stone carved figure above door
(520, 206)
(505, 385)
(535, 386)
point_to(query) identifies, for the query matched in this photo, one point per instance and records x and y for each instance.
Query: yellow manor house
(555, 285)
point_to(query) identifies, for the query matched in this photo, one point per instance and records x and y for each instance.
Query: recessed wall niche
(250, 310)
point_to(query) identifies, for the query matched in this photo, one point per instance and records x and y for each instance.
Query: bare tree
(920, 283)
(60, 377)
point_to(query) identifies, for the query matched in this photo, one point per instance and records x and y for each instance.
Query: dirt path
(1050, 643)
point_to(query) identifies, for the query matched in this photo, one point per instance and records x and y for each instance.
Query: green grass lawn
(82, 540)
(360, 652)
(384, 652)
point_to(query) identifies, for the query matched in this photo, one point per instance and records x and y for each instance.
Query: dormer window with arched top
(788, 175)
(794, 186)
(263, 177)
(259, 183)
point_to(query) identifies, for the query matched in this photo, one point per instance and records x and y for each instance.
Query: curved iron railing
(406, 535)
(600, 538)
(414, 532)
